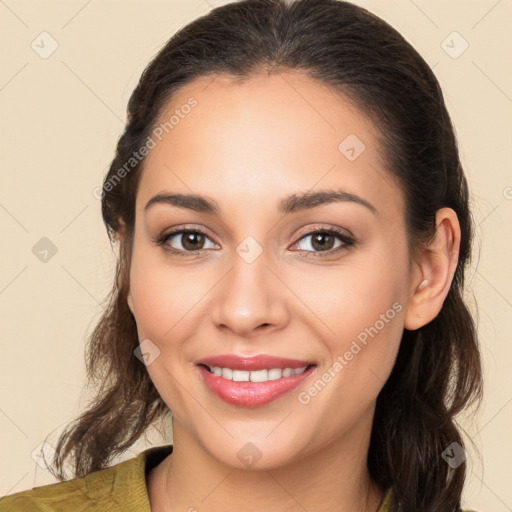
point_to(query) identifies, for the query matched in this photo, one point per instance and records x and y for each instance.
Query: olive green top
(120, 488)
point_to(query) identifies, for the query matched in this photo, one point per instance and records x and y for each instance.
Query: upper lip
(249, 363)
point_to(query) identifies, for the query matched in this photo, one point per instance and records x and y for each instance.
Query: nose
(251, 299)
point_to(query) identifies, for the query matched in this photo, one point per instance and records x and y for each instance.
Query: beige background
(60, 120)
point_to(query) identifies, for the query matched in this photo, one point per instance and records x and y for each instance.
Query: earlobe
(434, 271)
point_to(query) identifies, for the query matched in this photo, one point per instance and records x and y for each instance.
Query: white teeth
(256, 375)
(227, 373)
(259, 376)
(241, 375)
(275, 373)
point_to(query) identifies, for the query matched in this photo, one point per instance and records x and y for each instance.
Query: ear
(433, 273)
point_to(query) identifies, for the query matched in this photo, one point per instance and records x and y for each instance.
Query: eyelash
(347, 241)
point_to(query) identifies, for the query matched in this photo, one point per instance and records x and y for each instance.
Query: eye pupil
(320, 240)
(190, 238)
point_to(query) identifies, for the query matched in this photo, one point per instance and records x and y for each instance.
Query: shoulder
(78, 494)
(120, 487)
(71, 494)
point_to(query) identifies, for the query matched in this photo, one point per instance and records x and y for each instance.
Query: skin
(247, 145)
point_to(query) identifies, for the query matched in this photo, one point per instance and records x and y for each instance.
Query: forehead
(265, 136)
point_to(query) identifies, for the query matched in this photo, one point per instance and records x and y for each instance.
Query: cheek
(165, 302)
(361, 309)
(348, 299)
(367, 326)
(164, 296)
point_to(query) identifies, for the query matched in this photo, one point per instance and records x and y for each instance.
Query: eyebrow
(290, 204)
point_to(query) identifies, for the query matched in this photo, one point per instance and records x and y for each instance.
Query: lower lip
(252, 394)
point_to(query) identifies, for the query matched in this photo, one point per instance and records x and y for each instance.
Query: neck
(333, 478)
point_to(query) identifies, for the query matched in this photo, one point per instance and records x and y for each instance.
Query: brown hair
(438, 370)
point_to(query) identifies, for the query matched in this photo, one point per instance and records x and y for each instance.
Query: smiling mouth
(253, 388)
(263, 375)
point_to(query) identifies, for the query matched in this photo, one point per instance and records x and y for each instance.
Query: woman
(293, 228)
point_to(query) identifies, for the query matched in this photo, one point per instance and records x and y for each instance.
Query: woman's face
(262, 280)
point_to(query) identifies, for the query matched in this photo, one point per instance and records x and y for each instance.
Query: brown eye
(192, 240)
(183, 241)
(323, 242)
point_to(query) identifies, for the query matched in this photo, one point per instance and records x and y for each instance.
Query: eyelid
(324, 227)
(186, 227)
